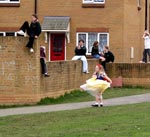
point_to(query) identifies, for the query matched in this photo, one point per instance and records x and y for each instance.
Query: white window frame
(4, 33)
(104, 34)
(8, 1)
(86, 42)
(92, 2)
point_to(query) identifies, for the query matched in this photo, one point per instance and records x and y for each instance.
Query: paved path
(70, 106)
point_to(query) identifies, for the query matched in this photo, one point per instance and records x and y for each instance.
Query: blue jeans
(84, 60)
(97, 56)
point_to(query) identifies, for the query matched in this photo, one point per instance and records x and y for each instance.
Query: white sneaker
(86, 72)
(20, 32)
(141, 62)
(31, 50)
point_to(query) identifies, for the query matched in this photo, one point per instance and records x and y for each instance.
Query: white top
(147, 42)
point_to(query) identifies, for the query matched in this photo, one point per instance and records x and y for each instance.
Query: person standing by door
(80, 54)
(34, 30)
(146, 37)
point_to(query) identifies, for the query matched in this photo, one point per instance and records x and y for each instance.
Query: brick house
(119, 24)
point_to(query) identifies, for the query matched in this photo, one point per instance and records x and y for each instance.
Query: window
(93, 1)
(90, 37)
(8, 34)
(9, 1)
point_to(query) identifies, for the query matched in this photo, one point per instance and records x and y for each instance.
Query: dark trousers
(43, 66)
(145, 53)
(26, 28)
(104, 65)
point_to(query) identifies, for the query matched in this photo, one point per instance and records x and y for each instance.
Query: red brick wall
(19, 70)
(135, 74)
(121, 17)
(21, 81)
(20, 77)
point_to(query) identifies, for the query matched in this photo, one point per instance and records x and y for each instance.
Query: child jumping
(97, 85)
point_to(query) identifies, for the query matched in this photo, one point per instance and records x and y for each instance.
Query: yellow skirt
(95, 86)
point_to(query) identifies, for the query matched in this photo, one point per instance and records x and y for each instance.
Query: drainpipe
(35, 7)
(146, 14)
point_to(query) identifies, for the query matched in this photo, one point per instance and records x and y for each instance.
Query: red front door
(57, 50)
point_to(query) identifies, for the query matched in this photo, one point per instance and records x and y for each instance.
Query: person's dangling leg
(85, 64)
(42, 65)
(45, 69)
(104, 65)
(30, 44)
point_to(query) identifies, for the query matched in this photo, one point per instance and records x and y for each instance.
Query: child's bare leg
(98, 100)
(101, 99)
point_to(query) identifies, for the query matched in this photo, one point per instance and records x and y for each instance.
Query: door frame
(49, 45)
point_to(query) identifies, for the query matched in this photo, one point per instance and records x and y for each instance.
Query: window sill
(93, 5)
(106, 30)
(9, 4)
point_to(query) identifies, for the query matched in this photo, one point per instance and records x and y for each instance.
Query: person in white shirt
(146, 51)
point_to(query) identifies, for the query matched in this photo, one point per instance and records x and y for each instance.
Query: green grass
(78, 96)
(116, 121)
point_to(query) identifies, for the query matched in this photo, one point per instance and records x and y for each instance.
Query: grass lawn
(78, 96)
(116, 121)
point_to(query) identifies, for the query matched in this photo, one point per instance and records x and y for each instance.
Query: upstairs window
(93, 1)
(9, 3)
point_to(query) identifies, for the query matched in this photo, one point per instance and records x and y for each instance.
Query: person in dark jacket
(43, 61)
(33, 30)
(80, 54)
(108, 55)
(95, 52)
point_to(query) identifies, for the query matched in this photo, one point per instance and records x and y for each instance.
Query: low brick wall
(132, 74)
(65, 76)
(19, 71)
(21, 81)
(20, 78)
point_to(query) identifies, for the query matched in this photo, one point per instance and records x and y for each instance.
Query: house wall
(109, 17)
(124, 21)
(19, 70)
(22, 83)
(13, 17)
(133, 28)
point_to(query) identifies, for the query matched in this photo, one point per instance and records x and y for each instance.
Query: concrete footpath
(71, 106)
